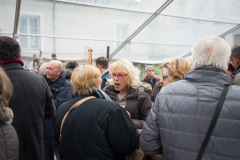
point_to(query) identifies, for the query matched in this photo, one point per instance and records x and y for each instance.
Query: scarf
(6, 61)
(102, 95)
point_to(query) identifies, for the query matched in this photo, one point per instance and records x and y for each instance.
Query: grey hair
(43, 69)
(212, 51)
(148, 67)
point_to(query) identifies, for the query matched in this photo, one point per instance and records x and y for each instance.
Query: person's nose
(115, 78)
(161, 80)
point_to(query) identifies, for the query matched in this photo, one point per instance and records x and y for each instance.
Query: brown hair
(9, 48)
(102, 61)
(177, 68)
(235, 51)
(6, 89)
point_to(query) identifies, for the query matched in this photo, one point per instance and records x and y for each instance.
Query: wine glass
(121, 102)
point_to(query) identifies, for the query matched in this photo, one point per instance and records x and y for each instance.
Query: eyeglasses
(119, 76)
(164, 77)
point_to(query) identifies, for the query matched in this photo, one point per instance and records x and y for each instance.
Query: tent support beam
(230, 31)
(165, 5)
(222, 36)
(17, 13)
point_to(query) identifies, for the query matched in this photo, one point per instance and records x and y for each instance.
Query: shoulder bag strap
(78, 103)
(213, 122)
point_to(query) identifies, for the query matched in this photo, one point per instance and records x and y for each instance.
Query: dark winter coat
(147, 80)
(9, 145)
(31, 102)
(156, 90)
(62, 91)
(104, 77)
(98, 130)
(181, 115)
(138, 103)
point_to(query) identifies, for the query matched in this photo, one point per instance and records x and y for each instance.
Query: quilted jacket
(181, 115)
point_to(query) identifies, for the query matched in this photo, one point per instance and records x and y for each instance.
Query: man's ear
(59, 72)
(99, 66)
(237, 60)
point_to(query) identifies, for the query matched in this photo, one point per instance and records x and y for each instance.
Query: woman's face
(165, 80)
(119, 81)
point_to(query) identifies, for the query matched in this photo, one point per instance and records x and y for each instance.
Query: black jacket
(147, 80)
(31, 102)
(96, 130)
(156, 90)
(104, 77)
(62, 91)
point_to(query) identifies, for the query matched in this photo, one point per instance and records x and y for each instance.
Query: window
(123, 31)
(29, 25)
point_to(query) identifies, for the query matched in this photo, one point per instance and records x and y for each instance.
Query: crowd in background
(69, 112)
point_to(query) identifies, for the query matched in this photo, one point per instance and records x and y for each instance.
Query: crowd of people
(109, 113)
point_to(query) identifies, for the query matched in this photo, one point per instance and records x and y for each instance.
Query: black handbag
(213, 122)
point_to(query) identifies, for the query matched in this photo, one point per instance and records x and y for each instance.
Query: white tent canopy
(145, 31)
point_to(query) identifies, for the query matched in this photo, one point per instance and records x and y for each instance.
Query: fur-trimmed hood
(6, 115)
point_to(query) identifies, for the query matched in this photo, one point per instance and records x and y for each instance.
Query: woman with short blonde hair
(127, 91)
(85, 80)
(97, 128)
(174, 70)
(125, 66)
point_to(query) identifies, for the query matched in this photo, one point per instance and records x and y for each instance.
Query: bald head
(54, 70)
(57, 63)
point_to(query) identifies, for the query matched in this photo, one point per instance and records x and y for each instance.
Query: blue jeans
(50, 149)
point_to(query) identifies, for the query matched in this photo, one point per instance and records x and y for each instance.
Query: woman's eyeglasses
(164, 77)
(119, 76)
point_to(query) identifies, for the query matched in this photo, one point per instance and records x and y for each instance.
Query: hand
(157, 77)
(128, 113)
(34, 70)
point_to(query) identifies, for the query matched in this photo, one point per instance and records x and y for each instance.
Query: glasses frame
(114, 75)
(164, 77)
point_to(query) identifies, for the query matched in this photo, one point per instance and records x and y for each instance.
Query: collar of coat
(57, 83)
(10, 66)
(208, 76)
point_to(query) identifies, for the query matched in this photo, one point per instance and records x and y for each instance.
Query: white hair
(149, 66)
(59, 64)
(212, 51)
(43, 69)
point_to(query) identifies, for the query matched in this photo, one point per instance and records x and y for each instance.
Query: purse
(138, 154)
(78, 103)
(213, 122)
